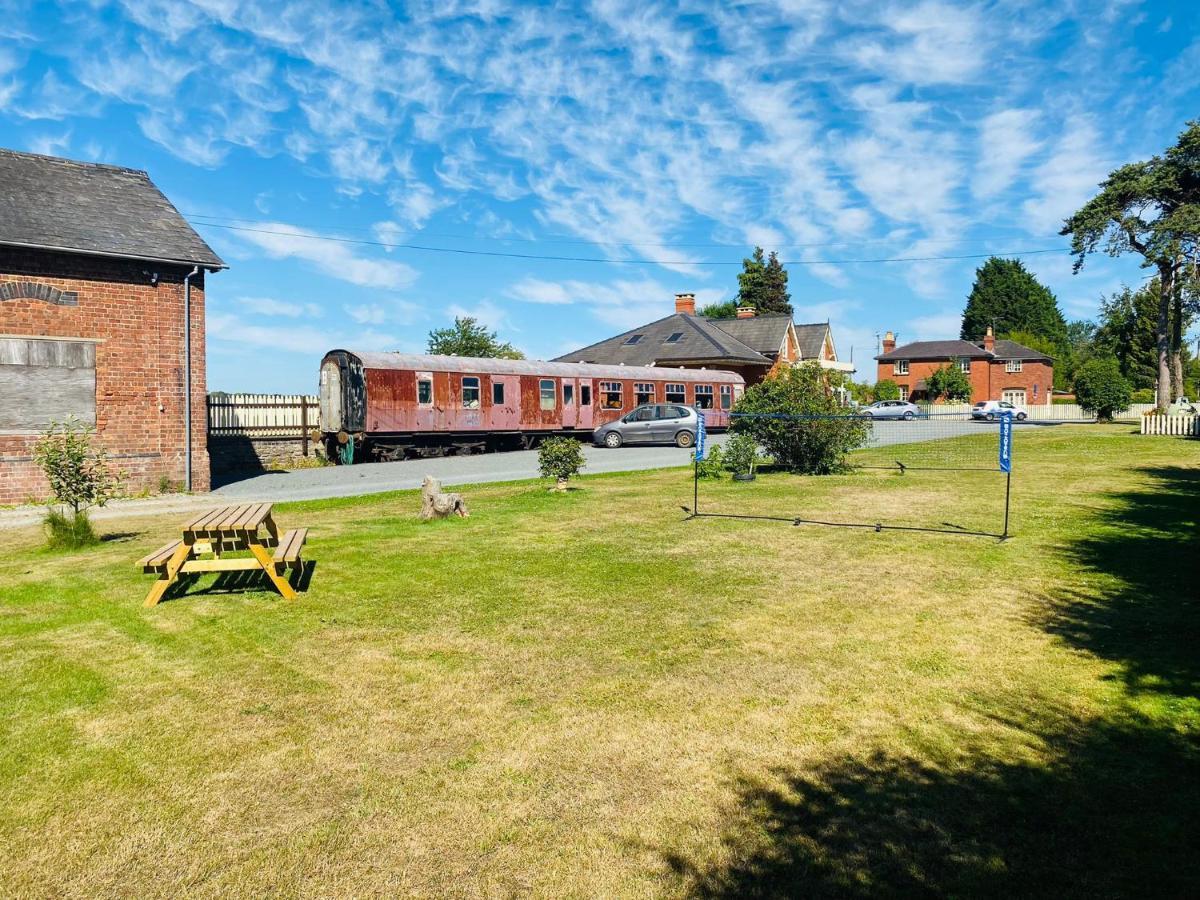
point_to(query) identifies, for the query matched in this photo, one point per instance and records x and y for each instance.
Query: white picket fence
(263, 415)
(1178, 426)
(1055, 412)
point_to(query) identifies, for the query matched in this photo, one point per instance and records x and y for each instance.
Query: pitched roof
(58, 204)
(811, 338)
(763, 333)
(699, 341)
(954, 349)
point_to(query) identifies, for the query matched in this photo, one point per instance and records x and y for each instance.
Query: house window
(900, 367)
(674, 337)
(634, 339)
(425, 390)
(964, 365)
(610, 395)
(546, 390)
(904, 392)
(675, 393)
(704, 396)
(568, 395)
(1012, 365)
(585, 395)
(470, 392)
(643, 392)
(726, 396)
(497, 394)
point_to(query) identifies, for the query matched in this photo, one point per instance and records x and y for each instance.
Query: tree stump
(438, 505)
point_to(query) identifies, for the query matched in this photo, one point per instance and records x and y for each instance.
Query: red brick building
(96, 271)
(998, 370)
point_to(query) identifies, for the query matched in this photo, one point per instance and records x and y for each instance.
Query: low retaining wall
(239, 453)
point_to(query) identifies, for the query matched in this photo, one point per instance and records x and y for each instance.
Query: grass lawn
(584, 695)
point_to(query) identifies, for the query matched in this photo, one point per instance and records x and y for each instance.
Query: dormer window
(900, 367)
(674, 337)
(634, 339)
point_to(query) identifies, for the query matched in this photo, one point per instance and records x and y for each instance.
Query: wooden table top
(246, 517)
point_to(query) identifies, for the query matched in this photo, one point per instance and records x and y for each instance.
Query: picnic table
(208, 537)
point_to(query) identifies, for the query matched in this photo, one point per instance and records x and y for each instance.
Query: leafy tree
(79, 477)
(886, 389)
(795, 417)
(1151, 208)
(469, 338)
(860, 391)
(762, 284)
(560, 458)
(727, 310)
(1127, 332)
(1101, 388)
(949, 382)
(1064, 360)
(1007, 297)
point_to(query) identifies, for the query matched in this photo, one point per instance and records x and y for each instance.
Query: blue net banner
(1006, 442)
(701, 435)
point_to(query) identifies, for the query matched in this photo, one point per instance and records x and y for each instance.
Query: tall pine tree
(1127, 323)
(762, 284)
(1007, 297)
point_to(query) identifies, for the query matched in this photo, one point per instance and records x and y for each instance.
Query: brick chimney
(889, 342)
(746, 312)
(989, 341)
(686, 304)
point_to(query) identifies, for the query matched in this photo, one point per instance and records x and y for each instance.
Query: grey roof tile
(47, 202)
(763, 333)
(811, 338)
(700, 341)
(952, 349)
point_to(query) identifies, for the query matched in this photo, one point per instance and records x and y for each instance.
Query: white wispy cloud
(1067, 177)
(282, 241)
(1006, 141)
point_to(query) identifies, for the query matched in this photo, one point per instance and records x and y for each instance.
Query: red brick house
(752, 345)
(998, 370)
(96, 271)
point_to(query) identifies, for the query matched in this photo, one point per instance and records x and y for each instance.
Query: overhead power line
(305, 235)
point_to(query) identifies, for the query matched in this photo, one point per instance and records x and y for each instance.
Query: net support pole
(695, 485)
(1007, 495)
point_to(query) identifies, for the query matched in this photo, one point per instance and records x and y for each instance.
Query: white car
(991, 409)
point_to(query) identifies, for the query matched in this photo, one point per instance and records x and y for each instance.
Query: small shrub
(886, 389)
(1101, 388)
(79, 477)
(741, 453)
(713, 464)
(166, 485)
(560, 458)
(69, 532)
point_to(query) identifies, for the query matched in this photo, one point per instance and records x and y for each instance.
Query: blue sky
(832, 130)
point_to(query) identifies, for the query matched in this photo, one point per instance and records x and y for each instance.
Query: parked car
(891, 409)
(991, 409)
(650, 423)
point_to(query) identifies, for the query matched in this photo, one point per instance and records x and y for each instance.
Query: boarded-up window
(45, 381)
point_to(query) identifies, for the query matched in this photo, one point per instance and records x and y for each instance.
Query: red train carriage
(392, 405)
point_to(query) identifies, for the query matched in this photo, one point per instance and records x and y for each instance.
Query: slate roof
(954, 349)
(60, 204)
(763, 333)
(811, 338)
(700, 341)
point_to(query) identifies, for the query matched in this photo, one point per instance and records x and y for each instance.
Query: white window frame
(680, 389)
(964, 365)
(425, 378)
(903, 393)
(476, 388)
(1012, 366)
(703, 390)
(546, 393)
(643, 387)
(612, 387)
(900, 367)
(726, 396)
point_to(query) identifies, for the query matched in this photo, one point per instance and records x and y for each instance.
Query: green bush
(741, 453)
(713, 464)
(1101, 388)
(795, 417)
(886, 390)
(1143, 395)
(69, 532)
(560, 458)
(949, 382)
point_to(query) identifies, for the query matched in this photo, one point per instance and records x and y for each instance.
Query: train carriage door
(570, 402)
(331, 396)
(506, 402)
(583, 404)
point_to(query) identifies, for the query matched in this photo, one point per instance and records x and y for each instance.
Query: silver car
(650, 423)
(891, 409)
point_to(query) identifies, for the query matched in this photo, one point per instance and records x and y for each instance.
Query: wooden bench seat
(157, 561)
(290, 544)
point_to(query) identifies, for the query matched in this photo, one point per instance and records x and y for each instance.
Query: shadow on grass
(237, 582)
(1116, 812)
(1144, 611)
(1110, 808)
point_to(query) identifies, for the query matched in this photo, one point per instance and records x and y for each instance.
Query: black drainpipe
(187, 376)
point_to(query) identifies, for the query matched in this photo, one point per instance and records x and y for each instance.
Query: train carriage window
(470, 392)
(676, 394)
(568, 395)
(497, 393)
(546, 388)
(585, 395)
(644, 392)
(726, 396)
(425, 390)
(704, 396)
(610, 395)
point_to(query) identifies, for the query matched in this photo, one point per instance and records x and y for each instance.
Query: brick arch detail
(33, 290)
